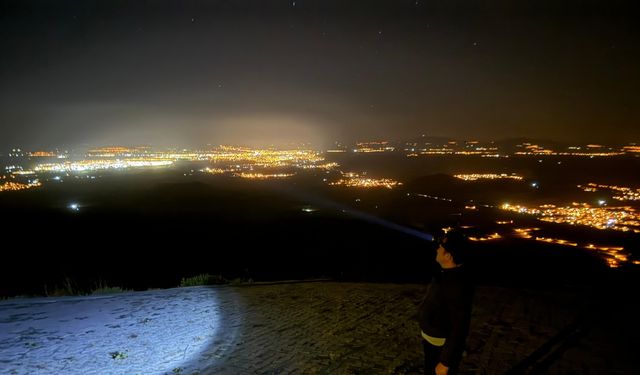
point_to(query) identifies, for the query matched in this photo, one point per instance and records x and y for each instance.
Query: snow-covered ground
(175, 331)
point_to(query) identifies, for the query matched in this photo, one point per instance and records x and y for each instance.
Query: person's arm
(459, 306)
(422, 308)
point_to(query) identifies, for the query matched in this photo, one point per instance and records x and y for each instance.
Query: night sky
(255, 72)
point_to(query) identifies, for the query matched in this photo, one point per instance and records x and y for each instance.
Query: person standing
(445, 313)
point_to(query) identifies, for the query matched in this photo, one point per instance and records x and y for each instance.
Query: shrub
(68, 289)
(108, 290)
(202, 279)
(101, 287)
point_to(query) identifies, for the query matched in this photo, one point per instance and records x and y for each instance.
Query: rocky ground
(303, 328)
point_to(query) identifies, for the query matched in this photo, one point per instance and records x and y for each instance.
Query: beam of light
(388, 224)
(153, 332)
(323, 202)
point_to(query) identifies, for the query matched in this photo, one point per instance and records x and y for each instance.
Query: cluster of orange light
(590, 154)
(493, 152)
(628, 194)
(447, 151)
(370, 149)
(631, 149)
(451, 148)
(494, 156)
(263, 176)
(15, 186)
(520, 209)
(490, 237)
(533, 150)
(326, 166)
(503, 222)
(594, 150)
(113, 151)
(213, 170)
(525, 232)
(224, 154)
(486, 176)
(373, 146)
(265, 157)
(354, 180)
(556, 241)
(42, 154)
(100, 164)
(614, 256)
(617, 218)
(437, 151)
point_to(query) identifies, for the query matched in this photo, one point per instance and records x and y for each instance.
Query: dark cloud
(193, 72)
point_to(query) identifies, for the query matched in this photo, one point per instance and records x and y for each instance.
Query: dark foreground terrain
(314, 328)
(151, 229)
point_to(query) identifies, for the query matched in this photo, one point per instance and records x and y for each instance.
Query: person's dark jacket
(446, 311)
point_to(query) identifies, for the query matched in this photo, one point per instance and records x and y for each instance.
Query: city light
(622, 193)
(213, 170)
(263, 176)
(493, 236)
(16, 186)
(487, 176)
(617, 218)
(352, 179)
(100, 164)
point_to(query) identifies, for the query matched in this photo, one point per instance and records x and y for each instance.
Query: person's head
(451, 250)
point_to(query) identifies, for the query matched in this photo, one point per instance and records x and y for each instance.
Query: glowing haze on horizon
(261, 72)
